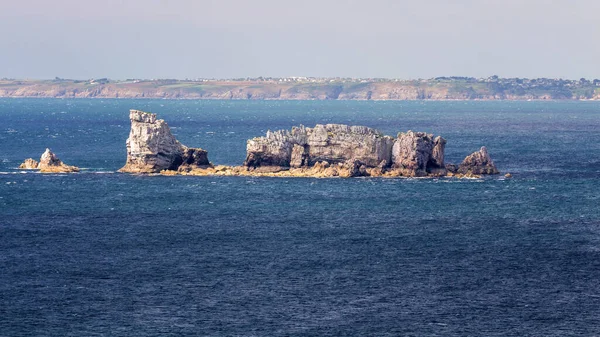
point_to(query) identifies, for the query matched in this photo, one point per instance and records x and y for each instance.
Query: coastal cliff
(441, 88)
(151, 147)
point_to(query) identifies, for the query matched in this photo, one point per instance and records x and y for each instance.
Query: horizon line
(266, 78)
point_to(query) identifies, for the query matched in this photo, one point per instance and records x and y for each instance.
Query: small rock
(29, 164)
(49, 163)
(478, 163)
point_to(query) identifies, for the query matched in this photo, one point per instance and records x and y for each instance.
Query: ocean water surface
(101, 253)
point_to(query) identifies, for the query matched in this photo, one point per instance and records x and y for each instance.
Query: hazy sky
(348, 38)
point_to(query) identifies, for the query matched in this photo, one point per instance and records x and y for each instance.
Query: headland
(310, 88)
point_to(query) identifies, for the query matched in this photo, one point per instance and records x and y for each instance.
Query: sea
(101, 253)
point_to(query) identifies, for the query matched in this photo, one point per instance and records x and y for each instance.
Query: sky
(122, 39)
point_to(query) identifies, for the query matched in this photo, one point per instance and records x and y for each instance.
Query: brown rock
(49, 163)
(29, 164)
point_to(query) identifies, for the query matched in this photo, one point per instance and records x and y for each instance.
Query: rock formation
(151, 147)
(331, 143)
(478, 163)
(341, 150)
(29, 164)
(49, 163)
(417, 154)
(331, 150)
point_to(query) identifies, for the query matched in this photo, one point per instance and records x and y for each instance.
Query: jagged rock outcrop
(29, 164)
(49, 163)
(417, 154)
(478, 163)
(331, 143)
(151, 147)
(332, 150)
(341, 150)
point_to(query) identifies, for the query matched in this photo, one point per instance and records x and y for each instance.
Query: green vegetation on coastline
(308, 88)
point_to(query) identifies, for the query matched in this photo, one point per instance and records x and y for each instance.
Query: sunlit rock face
(331, 143)
(49, 163)
(151, 147)
(326, 150)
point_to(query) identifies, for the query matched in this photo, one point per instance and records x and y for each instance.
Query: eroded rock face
(417, 154)
(300, 155)
(151, 147)
(347, 169)
(478, 163)
(275, 149)
(49, 163)
(331, 150)
(332, 143)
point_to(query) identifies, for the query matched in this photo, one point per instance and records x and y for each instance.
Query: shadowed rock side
(477, 163)
(49, 163)
(417, 154)
(151, 147)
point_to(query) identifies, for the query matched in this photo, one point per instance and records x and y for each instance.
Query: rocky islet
(330, 150)
(349, 151)
(49, 163)
(325, 150)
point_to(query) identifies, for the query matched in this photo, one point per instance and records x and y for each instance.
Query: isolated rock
(151, 147)
(478, 163)
(333, 143)
(49, 163)
(416, 154)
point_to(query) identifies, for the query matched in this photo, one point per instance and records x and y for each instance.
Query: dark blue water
(107, 254)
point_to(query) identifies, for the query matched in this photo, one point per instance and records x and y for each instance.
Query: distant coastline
(307, 88)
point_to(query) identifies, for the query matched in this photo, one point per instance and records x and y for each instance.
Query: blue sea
(101, 253)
